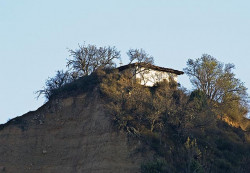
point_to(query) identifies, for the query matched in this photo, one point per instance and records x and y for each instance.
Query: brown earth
(68, 135)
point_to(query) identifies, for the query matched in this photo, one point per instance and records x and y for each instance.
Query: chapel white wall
(149, 77)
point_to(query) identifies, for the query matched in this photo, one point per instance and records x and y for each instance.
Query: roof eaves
(150, 66)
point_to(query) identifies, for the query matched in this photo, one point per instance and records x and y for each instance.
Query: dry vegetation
(183, 130)
(204, 131)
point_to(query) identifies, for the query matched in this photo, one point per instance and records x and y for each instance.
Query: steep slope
(66, 135)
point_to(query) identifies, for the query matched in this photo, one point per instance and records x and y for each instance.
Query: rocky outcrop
(68, 135)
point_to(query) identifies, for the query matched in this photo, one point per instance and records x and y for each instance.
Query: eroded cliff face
(66, 136)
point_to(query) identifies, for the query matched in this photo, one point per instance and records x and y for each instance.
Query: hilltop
(104, 122)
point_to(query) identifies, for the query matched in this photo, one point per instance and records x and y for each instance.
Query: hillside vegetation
(204, 130)
(183, 130)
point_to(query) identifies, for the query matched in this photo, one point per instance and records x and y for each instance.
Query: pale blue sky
(35, 35)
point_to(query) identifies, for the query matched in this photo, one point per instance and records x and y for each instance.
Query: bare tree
(140, 56)
(53, 83)
(143, 61)
(87, 59)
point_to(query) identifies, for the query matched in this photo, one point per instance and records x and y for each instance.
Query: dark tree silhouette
(53, 83)
(87, 59)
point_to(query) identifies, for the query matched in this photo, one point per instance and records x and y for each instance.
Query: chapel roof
(150, 66)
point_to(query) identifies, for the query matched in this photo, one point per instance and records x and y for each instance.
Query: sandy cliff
(67, 136)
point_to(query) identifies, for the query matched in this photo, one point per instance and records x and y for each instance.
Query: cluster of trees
(87, 59)
(209, 76)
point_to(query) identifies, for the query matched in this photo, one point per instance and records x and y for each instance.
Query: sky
(35, 37)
